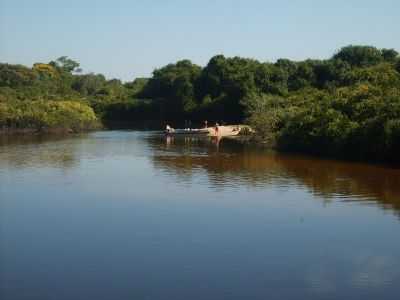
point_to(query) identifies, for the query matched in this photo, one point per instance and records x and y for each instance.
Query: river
(134, 215)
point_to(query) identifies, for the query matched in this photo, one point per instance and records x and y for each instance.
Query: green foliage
(66, 64)
(360, 56)
(332, 73)
(38, 97)
(225, 82)
(43, 115)
(389, 55)
(382, 75)
(360, 121)
(14, 76)
(89, 84)
(173, 87)
(137, 86)
(266, 114)
(348, 105)
(398, 65)
(364, 56)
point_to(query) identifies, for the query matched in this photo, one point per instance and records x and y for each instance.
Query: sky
(126, 39)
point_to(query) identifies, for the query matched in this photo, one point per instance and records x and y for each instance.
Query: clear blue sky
(129, 38)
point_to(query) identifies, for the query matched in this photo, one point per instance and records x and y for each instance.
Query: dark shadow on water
(231, 163)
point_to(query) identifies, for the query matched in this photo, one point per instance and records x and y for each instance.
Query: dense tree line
(56, 95)
(351, 111)
(347, 105)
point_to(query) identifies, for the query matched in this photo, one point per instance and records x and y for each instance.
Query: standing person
(216, 128)
(205, 124)
(168, 129)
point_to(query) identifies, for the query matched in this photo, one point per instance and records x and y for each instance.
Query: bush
(44, 115)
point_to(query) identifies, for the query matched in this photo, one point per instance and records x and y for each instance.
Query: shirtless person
(216, 128)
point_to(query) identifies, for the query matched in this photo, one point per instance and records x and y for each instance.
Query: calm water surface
(131, 215)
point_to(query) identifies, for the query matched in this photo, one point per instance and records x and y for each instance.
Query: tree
(16, 75)
(137, 86)
(66, 64)
(304, 75)
(359, 56)
(88, 84)
(398, 65)
(389, 55)
(173, 85)
(331, 73)
(226, 81)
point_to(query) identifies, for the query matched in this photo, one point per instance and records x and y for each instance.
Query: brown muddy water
(134, 215)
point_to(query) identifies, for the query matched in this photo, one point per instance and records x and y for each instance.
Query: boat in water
(188, 131)
(221, 131)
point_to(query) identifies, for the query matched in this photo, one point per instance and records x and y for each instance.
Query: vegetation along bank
(344, 106)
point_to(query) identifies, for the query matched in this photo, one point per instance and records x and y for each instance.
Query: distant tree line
(348, 105)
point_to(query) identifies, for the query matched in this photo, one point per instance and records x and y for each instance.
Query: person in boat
(205, 124)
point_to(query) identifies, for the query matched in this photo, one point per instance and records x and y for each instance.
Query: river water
(133, 215)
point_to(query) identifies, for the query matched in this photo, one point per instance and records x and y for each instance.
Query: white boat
(220, 131)
(187, 131)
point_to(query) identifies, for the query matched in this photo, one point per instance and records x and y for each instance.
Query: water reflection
(224, 162)
(229, 163)
(110, 213)
(38, 150)
(68, 151)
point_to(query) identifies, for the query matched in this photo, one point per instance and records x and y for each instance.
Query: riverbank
(32, 117)
(345, 106)
(247, 137)
(50, 131)
(270, 144)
